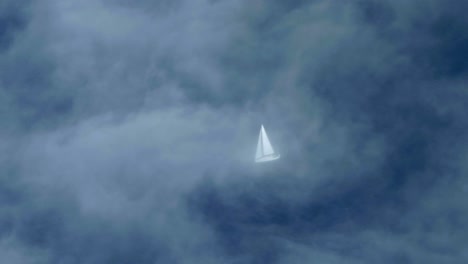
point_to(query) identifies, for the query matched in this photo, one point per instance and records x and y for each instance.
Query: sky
(128, 131)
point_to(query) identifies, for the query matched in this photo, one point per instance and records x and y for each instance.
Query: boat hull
(267, 158)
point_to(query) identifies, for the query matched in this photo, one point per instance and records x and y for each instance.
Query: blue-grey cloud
(128, 130)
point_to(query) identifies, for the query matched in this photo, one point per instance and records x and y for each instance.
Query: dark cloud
(127, 131)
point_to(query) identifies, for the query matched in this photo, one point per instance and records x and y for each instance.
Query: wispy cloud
(127, 131)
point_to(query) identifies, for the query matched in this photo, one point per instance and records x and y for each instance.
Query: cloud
(128, 131)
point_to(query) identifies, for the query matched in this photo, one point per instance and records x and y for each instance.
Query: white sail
(267, 148)
(265, 151)
(259, 152)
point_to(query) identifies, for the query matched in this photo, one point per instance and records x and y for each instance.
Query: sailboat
(265, 151)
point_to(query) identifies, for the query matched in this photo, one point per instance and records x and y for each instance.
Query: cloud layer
(127, 131)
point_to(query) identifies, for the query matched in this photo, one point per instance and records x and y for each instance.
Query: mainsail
(265, 151)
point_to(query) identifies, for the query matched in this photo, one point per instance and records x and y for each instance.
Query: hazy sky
(128, 131)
